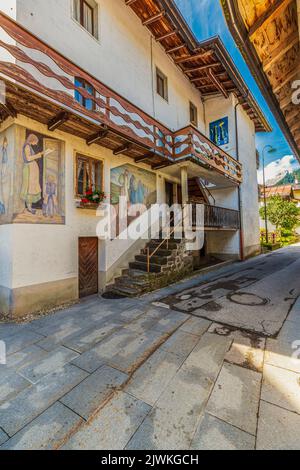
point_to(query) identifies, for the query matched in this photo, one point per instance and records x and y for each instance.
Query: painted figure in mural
(141, 193)
(50, 198)
(124, 183)
(4, 177)
(31, 191)
(133, 190)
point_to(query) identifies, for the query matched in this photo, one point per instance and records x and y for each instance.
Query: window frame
(85, 85)
(161, 76)
(78, 15)
(88, 160)
(193, 109)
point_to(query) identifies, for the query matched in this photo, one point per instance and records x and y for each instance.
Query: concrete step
(142, 266)
(154, 260)
(172, 245)
(126, 291)
(131, 280)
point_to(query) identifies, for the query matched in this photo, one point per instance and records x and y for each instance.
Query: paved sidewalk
(156, 373)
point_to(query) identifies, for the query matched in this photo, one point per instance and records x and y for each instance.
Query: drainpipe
(242, 257)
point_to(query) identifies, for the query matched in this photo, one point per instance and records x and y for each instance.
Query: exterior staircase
(169, 264)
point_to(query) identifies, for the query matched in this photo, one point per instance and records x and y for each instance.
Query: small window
(193, 115)
(89, 175)
(88, 104)
(86, 13)
(162, 84)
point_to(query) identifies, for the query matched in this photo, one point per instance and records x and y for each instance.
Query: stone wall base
(22, 301)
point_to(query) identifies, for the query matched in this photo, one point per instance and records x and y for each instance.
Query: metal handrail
(166, 239)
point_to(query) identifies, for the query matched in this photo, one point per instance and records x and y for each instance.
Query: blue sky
(205, 17)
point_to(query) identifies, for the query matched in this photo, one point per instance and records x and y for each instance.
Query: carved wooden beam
(154, 18)
(9, 109)
(217, 83)
(98, 136)
(202, 67)
(201, 55)
(268, 14)
(122, 149)
(58, 121)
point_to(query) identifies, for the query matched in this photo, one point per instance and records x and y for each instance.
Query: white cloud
(276, 170)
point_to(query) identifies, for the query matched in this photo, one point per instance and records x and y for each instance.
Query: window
(162, 84)
(89, 174)
(193, 115)
(88, 104)
(86, 13)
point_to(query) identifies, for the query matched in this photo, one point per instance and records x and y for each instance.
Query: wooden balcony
(218, 218)
(190, 143)
(41, 84)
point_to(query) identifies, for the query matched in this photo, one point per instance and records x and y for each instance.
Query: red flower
(84, 200)
(89, 192)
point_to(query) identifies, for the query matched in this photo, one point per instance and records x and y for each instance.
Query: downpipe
(242, 256)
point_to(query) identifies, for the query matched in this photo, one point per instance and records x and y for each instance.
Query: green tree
(281, 213)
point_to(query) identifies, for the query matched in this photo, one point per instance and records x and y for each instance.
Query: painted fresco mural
(137, 184)
(32, 179)
(219, 131)
(139, 187)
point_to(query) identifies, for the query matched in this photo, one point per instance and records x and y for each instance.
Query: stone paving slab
(170, 323)
(278, 429)
(280, 354)
(31, 402)
(207, 357)
(21, 340)
(11, 383)
(281, 387)
(246, 308)
(113, 427)
(88, 339)
(26, 357)
(151, 379)
(87, 397)
(48, 364)
(136, 351)
(247, 350)
(290, 332)
(47, 432)
(3, 437)
(196, 326)
(180, 343)
(172, 422)
(214, 434)
(104, 351)
(235, 397)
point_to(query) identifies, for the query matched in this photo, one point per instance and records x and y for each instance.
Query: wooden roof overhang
(114, 122)
(267, 33)
(206, 64)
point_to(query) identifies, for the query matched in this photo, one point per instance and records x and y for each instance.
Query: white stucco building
(113, 96)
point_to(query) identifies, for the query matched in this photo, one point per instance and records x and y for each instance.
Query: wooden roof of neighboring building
(267, 33)
(285, 191)
(206, 64)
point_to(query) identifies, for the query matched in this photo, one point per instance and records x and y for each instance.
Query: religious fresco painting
(6, 175)
(32, 178)
(137, 184)
(219, 131)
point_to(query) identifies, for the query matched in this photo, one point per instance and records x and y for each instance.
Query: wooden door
(88, 266)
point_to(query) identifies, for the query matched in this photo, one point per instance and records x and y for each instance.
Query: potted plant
(92, 199)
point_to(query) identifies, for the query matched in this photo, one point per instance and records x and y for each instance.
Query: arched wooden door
(88, 266)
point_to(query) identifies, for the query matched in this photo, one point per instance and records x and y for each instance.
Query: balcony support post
(184, 185)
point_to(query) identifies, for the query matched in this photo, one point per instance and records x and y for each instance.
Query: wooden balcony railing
(218, 218)
(190, 142)
(27, 61)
